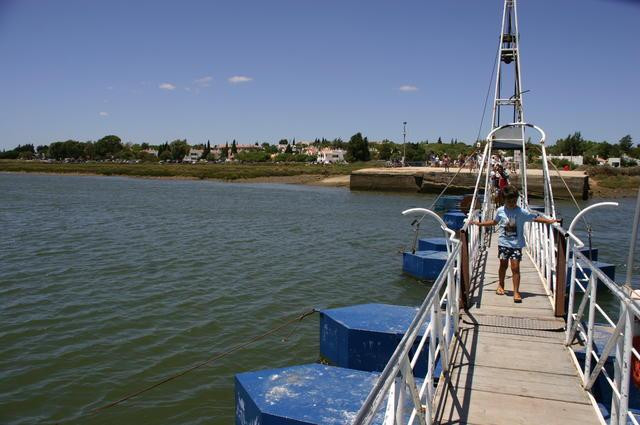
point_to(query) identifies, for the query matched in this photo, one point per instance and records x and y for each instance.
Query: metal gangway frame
(444, 299)
(551, 248)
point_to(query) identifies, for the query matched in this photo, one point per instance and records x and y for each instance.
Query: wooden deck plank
(519, 383)
(489, 408)
(509, 362)
(489, 349)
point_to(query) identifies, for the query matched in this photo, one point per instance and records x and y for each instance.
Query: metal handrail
(621, 338)
(400, 367)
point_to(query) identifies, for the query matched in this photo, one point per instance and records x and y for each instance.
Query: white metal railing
(584, 281)
(397, 379)
(440, 312)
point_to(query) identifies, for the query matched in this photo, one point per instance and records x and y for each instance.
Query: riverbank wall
(433, 180)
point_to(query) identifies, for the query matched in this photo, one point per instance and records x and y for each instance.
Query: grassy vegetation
(195, 171)
(619, 182)
(615, 178)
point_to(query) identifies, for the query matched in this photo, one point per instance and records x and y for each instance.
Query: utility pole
(404, 142)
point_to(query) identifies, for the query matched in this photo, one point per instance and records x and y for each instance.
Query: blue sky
(151, 71)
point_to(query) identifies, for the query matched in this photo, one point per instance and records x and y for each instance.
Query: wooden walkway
(510, 365)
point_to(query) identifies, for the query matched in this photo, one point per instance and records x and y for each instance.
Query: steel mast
(507, 104)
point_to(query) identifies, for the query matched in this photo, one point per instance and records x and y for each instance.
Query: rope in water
(203, 363)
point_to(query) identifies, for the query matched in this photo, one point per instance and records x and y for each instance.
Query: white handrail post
(572, 290)
(592, 313)
(392, 402)
(617, 377)
(626, 365)
(457, 283)
(401, 388)
(450, 303)
(553, 259)
(432, 356)
(444, 360)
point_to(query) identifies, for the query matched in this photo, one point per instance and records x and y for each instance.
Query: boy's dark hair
(510, 192)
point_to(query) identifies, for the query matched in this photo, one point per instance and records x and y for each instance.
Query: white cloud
(167, 86)
(408, 87)
(104, 114)
(239, 79)
(204, 81)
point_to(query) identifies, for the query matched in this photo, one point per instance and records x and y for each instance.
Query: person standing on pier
(510, 220)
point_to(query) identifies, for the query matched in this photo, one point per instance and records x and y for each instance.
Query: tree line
(358, 148)
(575, 144)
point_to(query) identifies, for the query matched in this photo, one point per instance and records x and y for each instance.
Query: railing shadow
(453, 403)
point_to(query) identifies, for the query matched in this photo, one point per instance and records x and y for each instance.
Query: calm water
(109, 284)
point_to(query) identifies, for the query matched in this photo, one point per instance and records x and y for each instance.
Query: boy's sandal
(500, 290)
(517, 298)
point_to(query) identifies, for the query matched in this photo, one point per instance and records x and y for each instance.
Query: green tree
(269, 148)
(43, 150)
(206, 153)
(573, 144)
(25, 148)
(108, 146)
(234, 147)
(71, 149)
(224, 152)
(385, 150)
(253, 156)
(626, 143)
(358, 148)
(90, 150)
(288, 149)
(165, 155)
(179, 149)
(146, 156)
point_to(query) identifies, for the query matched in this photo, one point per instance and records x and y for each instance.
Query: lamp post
(404, 142)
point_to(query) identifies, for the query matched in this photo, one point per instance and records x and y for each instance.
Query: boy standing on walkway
(510, 220)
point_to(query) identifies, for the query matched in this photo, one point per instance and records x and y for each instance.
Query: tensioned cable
(484, 111)
(451, 180)
(486, 98)
(203, 363)
(565, 185)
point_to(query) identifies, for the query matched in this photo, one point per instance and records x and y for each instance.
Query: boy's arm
(484, 223)
(545, 220)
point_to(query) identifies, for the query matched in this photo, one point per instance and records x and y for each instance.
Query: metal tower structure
(507, 103)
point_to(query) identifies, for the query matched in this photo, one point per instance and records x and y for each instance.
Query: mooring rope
(417, 222)
(587, 225)
(203, 363)
(451, 180)
(566, 187)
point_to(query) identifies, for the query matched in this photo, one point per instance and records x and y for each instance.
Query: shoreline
(300, 179)
(321, 180)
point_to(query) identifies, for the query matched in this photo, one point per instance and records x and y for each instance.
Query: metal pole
(634, 239)
(404, 142)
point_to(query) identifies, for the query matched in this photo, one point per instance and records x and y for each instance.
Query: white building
(193, 156)
(151, 151)
(614, 162)
(330, 156)
(575, 159)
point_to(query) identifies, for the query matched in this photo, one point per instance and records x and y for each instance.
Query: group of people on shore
(461, 161)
